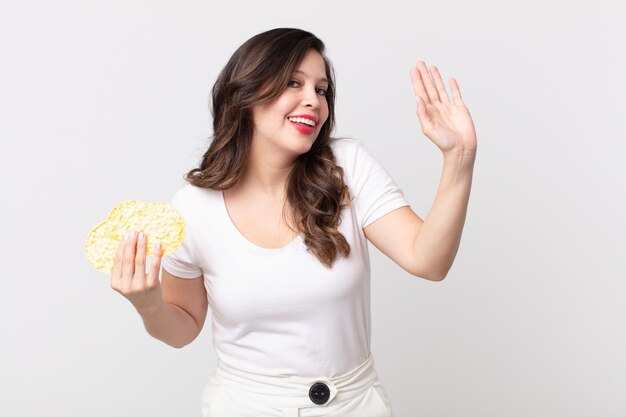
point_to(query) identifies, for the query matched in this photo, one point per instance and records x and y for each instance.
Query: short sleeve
(182, 262)
(374, 191)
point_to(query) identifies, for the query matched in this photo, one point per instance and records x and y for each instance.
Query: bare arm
(427, 248)
(440, 235)
(179, 320)
(173, 310)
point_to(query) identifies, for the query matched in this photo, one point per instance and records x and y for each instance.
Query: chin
(303, 146)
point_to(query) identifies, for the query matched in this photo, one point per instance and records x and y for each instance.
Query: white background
(102, 102)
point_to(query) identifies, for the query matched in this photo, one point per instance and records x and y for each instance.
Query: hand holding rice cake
(160, 222)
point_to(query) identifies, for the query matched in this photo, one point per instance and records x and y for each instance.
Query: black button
(319, 393)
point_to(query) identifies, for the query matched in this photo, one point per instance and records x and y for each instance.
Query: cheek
(285, 103)
(325, 112)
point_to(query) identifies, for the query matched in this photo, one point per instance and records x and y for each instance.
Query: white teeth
(302, 120)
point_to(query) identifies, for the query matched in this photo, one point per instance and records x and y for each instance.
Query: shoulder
(353, 156)
(347, 152)
(344, 146)
(190, 197)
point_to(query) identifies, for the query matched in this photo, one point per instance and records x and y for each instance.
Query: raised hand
(447, 123)
(129, 274)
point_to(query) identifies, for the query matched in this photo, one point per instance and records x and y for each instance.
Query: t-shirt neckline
(244, 240)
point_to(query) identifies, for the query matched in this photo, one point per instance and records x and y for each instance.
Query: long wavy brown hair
(258, 72)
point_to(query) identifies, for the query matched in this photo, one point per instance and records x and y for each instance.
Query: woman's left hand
(447, 123)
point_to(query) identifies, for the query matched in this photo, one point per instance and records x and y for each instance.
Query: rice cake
(160, 222)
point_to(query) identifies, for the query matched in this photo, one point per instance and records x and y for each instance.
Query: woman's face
(279, 123)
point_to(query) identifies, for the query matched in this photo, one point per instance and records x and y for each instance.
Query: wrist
(460, 156)
(460, 151)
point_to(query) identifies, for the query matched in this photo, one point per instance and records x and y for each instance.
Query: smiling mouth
(302, 121)
(302, 127)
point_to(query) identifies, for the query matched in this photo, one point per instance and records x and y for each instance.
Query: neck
(267, 169)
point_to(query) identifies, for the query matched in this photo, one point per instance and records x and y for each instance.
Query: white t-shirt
(280, 311)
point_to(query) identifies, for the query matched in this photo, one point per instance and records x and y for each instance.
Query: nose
(311, 99)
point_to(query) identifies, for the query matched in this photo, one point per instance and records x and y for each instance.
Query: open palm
(447, 123)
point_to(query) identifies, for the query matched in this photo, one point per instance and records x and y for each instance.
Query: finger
(140, 258)
(155, 266)
(428, 82)
(128, 264)
(441, 88)
(116, 272)
(456, 92)
(418, 85)
(422, 115)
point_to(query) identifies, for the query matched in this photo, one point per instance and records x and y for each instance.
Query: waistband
(294, 391)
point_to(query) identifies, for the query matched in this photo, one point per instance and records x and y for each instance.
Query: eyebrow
(304, 73)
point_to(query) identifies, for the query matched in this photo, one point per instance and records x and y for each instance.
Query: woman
(278, 217)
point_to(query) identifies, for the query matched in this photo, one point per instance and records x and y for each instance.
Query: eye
(321, 92)
(294, 83)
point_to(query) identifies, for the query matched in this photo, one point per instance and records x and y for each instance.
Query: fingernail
(133, 234)
(141, 236)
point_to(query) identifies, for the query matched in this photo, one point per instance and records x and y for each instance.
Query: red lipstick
(302, 127)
